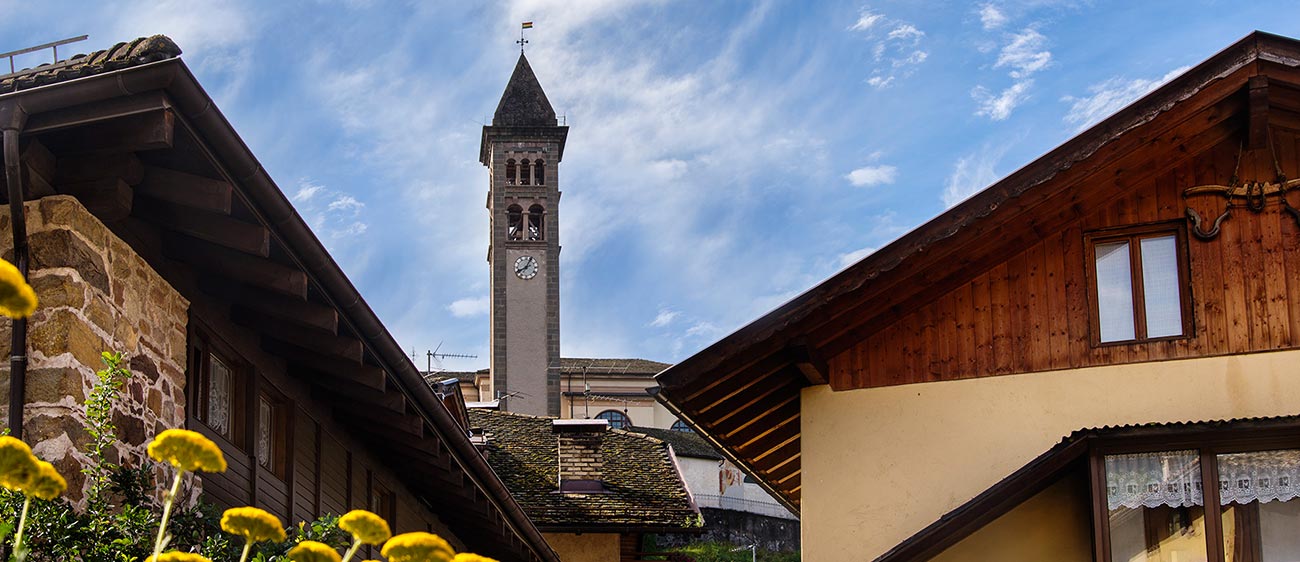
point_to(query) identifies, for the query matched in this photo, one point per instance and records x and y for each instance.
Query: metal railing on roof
(55, 64)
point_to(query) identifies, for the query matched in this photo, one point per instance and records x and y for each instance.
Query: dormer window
(1138, 285)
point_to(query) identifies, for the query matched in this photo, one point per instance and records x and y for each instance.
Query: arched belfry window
(616, 419)
(535, 223)
(539, 172)
(524, 172)
(510, 172)
(515, 223)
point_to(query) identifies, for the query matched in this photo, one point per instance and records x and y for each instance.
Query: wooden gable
(999, 284)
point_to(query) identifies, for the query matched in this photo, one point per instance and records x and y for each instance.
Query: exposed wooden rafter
(189, 190)
(213, 227)
(236, 265)
(325, 343)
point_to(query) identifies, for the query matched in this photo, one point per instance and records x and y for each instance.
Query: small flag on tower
(528, 25)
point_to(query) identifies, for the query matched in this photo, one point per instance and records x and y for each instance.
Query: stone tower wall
(96, 294)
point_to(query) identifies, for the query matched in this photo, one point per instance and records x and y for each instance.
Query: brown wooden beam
(365, 375)
(106, 110)
(410, 426)
(39, 159)
(1258, 136)
(219, 229)
(236, 265)
(153, 130)
(809, 362)
(186, 189)
(307, 313)
(108, 199)
(91, 167)
(322, 342)
(335, 388)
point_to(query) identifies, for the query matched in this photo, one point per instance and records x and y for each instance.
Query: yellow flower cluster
(467, 557)
(187, 450)
(174, 556)
(20, 470)
(417, 547)
(254, 524)
(17, 299)
(365, 526)
(312, 551)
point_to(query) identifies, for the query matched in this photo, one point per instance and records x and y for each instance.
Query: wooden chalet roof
(645, 491)
(742, 392)
(140, 143)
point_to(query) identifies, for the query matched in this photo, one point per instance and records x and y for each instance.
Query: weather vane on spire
(522, 41)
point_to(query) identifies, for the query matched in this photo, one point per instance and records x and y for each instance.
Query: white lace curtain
(1173, 478)
(1262, 476)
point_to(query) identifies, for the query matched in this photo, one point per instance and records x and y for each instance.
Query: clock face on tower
(526, 267)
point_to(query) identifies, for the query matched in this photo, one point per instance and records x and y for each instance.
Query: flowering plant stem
(356, 545)
(167, 513)
(248, 545)
(18, 536)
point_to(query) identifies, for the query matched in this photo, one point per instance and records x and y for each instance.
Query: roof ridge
(142, 50)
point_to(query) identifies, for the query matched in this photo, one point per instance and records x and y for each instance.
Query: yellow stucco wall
(587, 547)
(880, 464)
(1053, 525)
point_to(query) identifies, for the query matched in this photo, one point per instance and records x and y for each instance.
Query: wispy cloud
(972, 173)
(469, 307)
(333, 214)
(992, 17)
(998, 107)
(1024, 54)
(867, 176)
(850, 258)
(1109, 96)
(896, 47)
(665, 317)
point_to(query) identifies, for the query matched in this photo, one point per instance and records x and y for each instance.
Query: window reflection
(1261, 515)
(1156, 509)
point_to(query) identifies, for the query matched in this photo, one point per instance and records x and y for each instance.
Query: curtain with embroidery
(1171, 478)
(1262, 476)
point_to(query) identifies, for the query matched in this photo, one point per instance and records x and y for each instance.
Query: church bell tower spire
(522, 149)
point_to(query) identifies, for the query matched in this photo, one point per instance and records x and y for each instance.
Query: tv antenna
(432, 356)
(54, 64)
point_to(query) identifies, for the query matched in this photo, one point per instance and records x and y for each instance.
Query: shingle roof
(685, 443)
(605, 366)
(645, 489)
(122, 55)
(523, 104)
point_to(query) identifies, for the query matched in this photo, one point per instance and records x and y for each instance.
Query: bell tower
(522, 149)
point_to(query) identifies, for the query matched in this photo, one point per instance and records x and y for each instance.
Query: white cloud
(855, 256)
(906, 32)
(872, 175)
(880, 82)
(216, 37)
(665, 317)
(866, 20)
(972, 173)
(992, 17)
(1025, 54)
(999, 107)
(469, 307)
(1110, 96)
(336, 220)
(346, 204)
(306, 190)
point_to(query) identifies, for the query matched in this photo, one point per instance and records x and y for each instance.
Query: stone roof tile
(122, 55)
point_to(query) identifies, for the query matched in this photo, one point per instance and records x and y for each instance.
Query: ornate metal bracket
(1253, 195)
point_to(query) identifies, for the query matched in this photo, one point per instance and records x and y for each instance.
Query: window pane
(264, 427)
(1114, 292)
(1261, 511)
(1160, 286)
(218, 409)
(1155, 506)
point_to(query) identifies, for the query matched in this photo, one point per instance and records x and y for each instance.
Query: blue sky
(723, 156)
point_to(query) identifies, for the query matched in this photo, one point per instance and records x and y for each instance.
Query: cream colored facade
(584, 547)
(626, 393)
(1052, 526)
(880, 464)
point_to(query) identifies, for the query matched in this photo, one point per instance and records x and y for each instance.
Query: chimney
(581, 469)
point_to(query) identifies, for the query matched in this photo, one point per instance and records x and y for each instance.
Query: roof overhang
(743, 391)
(445, 463)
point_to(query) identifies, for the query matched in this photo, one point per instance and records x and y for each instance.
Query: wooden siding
(1030, 312)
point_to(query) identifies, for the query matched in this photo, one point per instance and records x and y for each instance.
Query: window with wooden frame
(272, 441)
(218, 379)
(382, 502)
(1138, 284)
(1152, 505)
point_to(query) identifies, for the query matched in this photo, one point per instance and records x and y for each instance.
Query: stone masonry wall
(579, 456)
(96, 294)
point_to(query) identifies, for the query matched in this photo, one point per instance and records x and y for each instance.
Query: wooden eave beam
(322, 342)
(362, 374)
(307, 313)
(107, 110)
(109, 199)
(809, 362)
(1258, 136)
(235, 265)
(79, 168)
(408, 425)
(344, 390)
(249, 238)
(151, 130)
(39, 166)
(186, 189)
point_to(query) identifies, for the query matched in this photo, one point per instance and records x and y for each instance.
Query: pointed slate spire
(523, 104)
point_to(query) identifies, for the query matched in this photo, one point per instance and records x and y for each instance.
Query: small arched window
(515, 223)
(539, 172)
(510, 172)
(524, 172)
(681, 426)
(536, 230)
(616, 419)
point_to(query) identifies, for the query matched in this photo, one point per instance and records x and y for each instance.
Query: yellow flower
(47, 484)
(467, 557)
(365, 526)
(253, 524)
(417, 547)
(17, 299)
(17, 464)
(187, 450)
(175, 556)
(312, 551)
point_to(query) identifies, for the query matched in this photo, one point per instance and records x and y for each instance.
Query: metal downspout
(12, 119)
